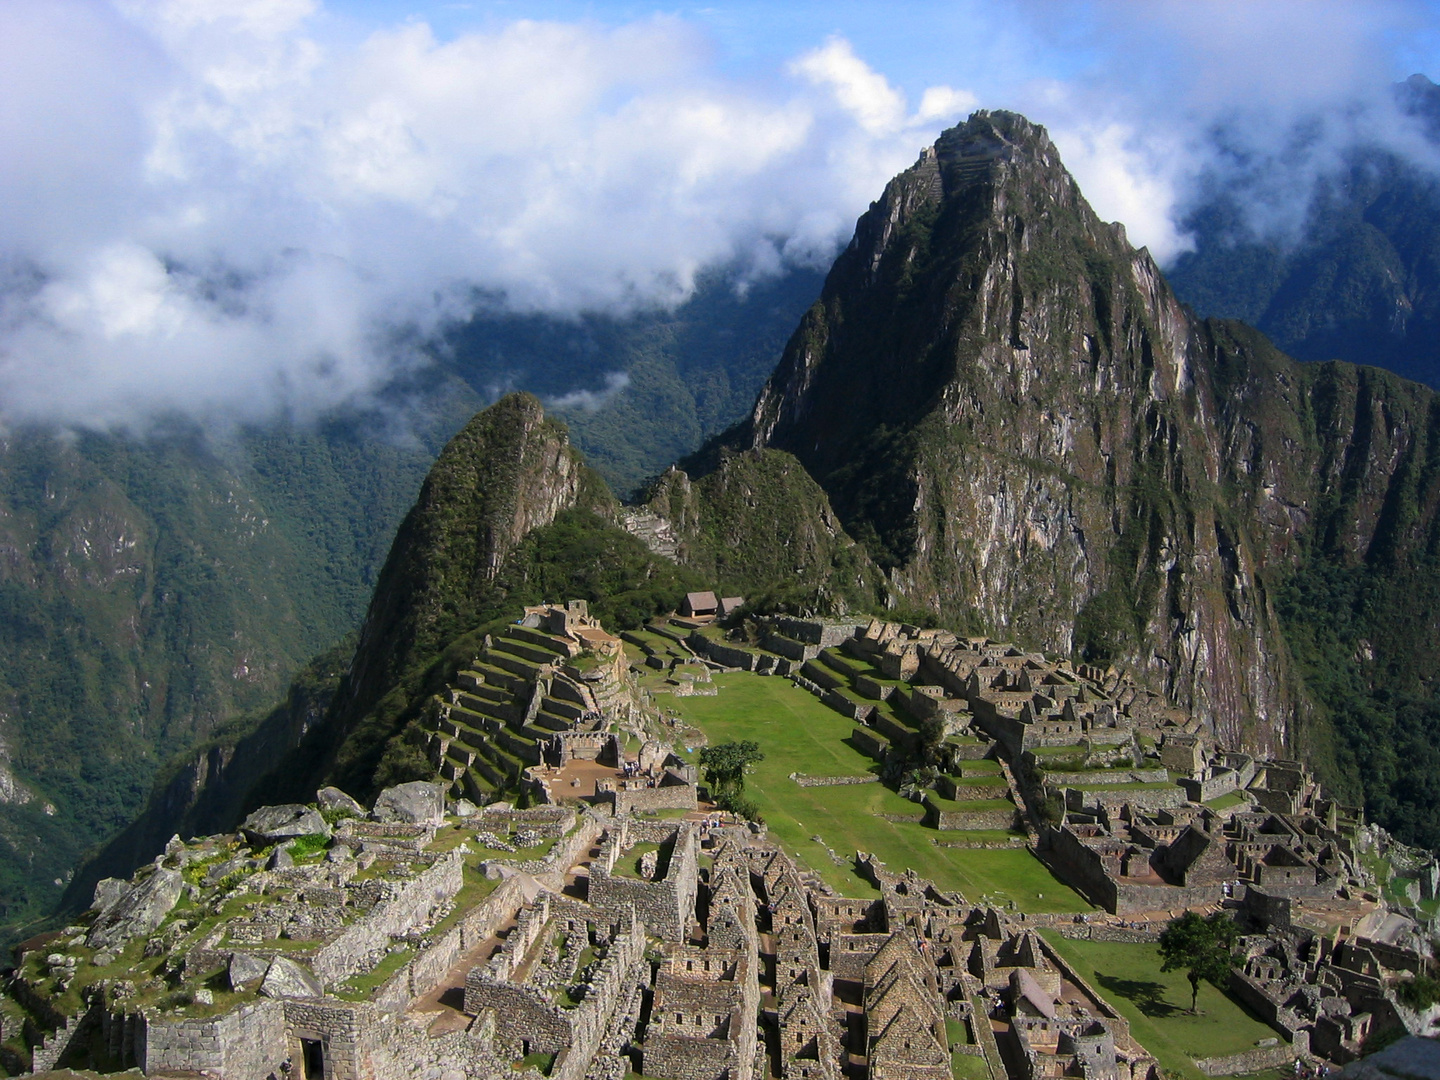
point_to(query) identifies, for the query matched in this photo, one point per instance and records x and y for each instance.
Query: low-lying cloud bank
(226, 209)
(207, 208)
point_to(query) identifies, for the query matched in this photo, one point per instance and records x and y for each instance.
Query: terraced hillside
(507, 706)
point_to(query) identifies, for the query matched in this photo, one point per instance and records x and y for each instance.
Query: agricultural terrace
(798, 734)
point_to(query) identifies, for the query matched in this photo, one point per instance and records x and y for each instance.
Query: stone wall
(795, 651)
(1210, 788)
(682, 1057)
(335, 1026)
(529, 1020)
(670, 797)
(969, 819)
(832, 781)
(725, 655)
(362, 943)
(424, 972)
(869, 742)
(247, 1043)
(1251, 1061)
(665, 906)
(550, 871)
(1106, 932)
(854, 710)
(816, 632)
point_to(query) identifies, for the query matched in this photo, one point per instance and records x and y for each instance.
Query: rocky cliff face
(1006, 403)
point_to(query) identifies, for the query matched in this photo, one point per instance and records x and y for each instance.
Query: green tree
(725, 765)
(1203, 947)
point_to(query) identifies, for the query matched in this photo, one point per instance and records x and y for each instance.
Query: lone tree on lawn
(725, 765)
(1202, 946)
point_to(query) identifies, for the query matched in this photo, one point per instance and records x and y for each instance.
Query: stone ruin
(431, 938)
(393, 944)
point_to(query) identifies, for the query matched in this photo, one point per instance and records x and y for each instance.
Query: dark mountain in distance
(1361, 280)
(641, 391)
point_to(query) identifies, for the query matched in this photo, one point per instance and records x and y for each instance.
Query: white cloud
(213, 206)
(271, 207)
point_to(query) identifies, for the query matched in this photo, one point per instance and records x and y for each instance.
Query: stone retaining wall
(832, 781)
(424, 972)
(726, 655)
(970, 819)
(1251, 1061)
(363, 942)
(1106, 932)
(870, 743)
(815, 632)
(855, 710)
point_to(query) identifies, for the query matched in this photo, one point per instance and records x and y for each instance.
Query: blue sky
(231, 205)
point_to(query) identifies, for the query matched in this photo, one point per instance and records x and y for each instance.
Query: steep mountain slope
(149, 590)
(1360, 281)
(1008, 408)
(1008, 405)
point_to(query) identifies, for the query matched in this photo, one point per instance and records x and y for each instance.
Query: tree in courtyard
(725, 765)
(1203, 947)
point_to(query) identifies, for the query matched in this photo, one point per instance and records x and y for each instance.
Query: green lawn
(1156, 1004)
(798, 734)
(1224, 802)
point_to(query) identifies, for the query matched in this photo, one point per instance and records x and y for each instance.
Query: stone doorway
(312, 1056)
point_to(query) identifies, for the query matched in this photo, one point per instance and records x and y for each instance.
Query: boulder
(332, 798)
(245, 969)
(272, 824)
(287, 979)
(108, 892)
(139, 911)
(214, 874)
(280, 859)
(465, 808)
(415, 803)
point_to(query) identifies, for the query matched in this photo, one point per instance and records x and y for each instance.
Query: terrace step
(559, 707)
(527, 651)
(515, 665)
(506, 711)
(499, 676)
(836, 663)
(551, 722)
(551, 643)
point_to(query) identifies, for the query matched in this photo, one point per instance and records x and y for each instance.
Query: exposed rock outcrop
(137, 912)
